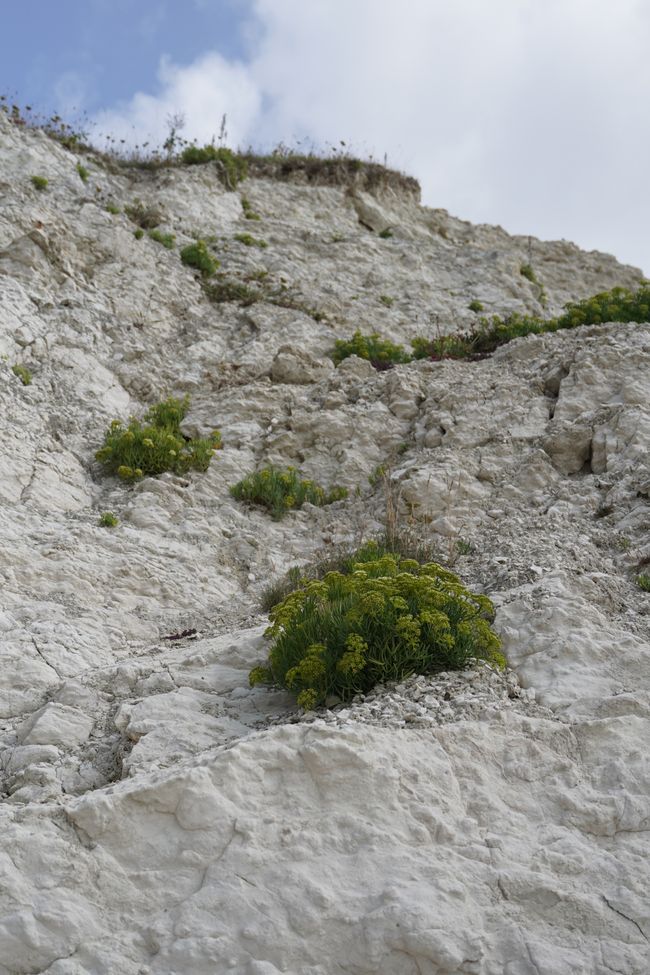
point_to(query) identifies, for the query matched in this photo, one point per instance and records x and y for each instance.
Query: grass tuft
(249, 241)
(167, 240)
(382, 353)
(231, 167)
(144, 214)
(23, 374)
(280, 491)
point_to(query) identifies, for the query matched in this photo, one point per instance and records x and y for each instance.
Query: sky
(531, 114)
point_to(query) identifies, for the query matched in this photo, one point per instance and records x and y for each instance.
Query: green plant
(225, 289)
(464, 547)
(108, 520)
(167, 240)
(250, 241)
(112, 208)
(83, 172)
(376, 476)
(232, 168)
(197, 255)
(643, 582)
(526, 270)
(156, 444)
(617, 305)
(39, 182)
(387, 300)
(385, 234)
(249, 213)
(145, 215)
(139, 233)
(401, 542)
(475, 305)
(386, 620)
(23, 373)
(380, 352)
(283, 490)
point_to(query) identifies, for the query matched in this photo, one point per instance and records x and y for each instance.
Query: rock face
(157, 815)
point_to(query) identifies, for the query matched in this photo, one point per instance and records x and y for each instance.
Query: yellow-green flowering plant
(384, 620)
(156, 444)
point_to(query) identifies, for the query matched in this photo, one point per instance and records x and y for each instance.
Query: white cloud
(202, 92)
(516, 112)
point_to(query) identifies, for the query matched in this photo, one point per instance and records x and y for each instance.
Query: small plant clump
(167, 240)
(227, 289)
(83, 173)
(283, 490)
(643, 581)
(249, 213)
(250, 241)
(475, 305)
(617, 305)
(197, 255)
(108, 520)
(387, 300)
(382, 353)
(527, 271)
(139, 233)
(145, 215)
(112, 208)
(384, 621)
(39, 183)
(385, 234)
(155, 444)
(463, 547)
(232, 167)
(23, 373)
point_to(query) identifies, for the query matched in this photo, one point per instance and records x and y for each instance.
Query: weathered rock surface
(157, 815)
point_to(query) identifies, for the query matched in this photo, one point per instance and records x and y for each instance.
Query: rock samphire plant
(384, 620)
(155, 444)
(283, 490)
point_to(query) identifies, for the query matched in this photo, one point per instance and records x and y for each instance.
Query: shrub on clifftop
(385, 620)
(156, 444)
(232, 168)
